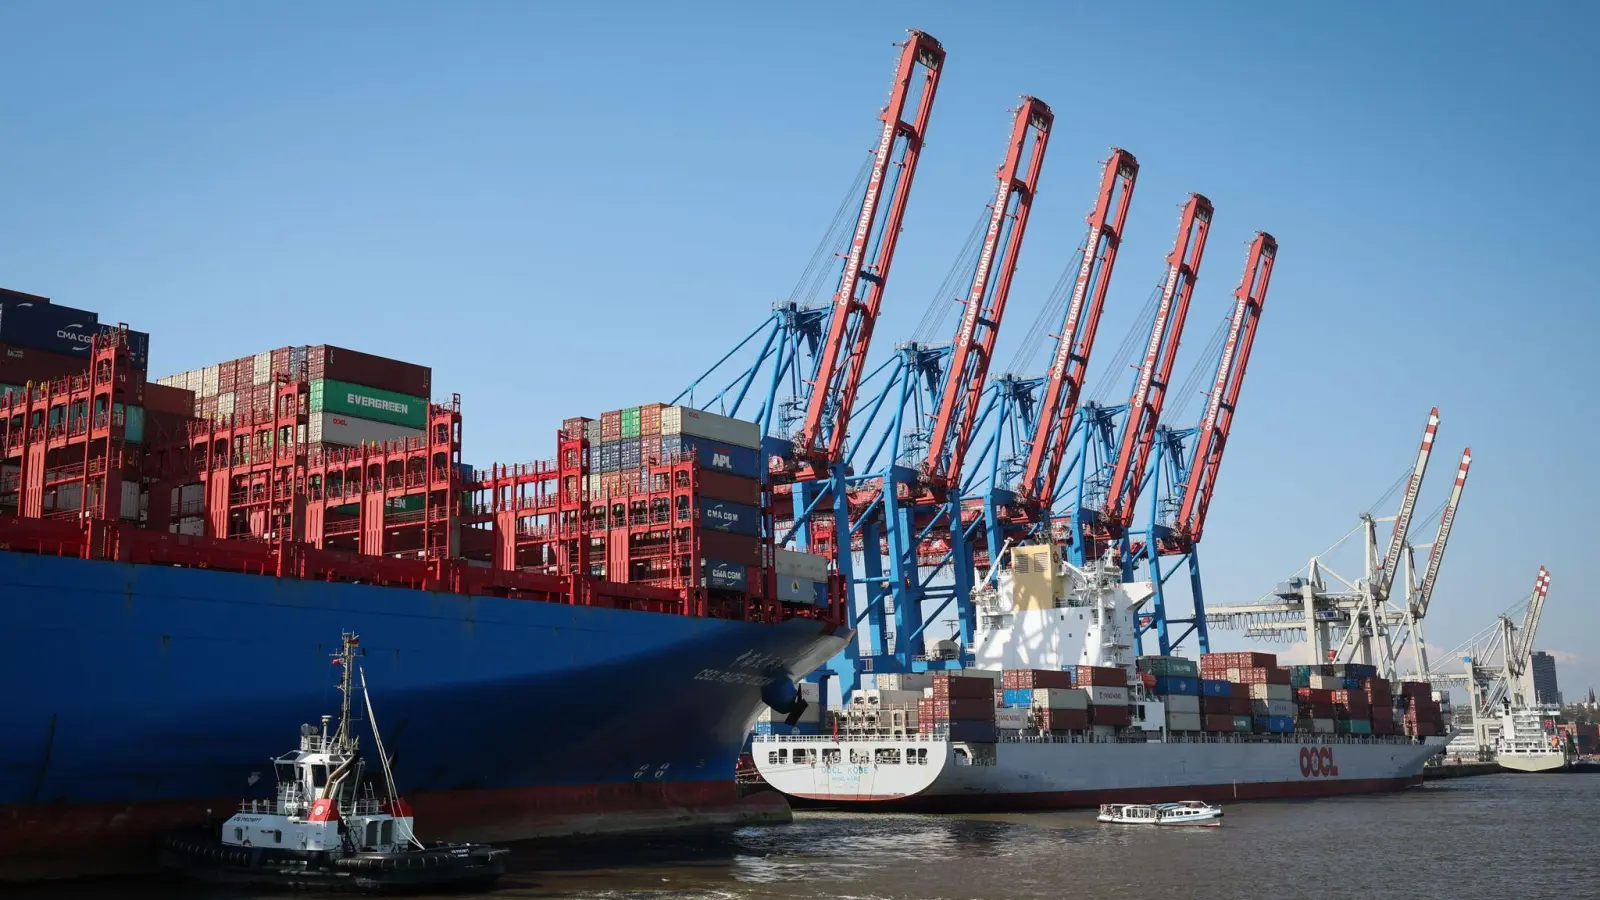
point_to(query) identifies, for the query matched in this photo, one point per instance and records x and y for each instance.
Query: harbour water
(1497, 836)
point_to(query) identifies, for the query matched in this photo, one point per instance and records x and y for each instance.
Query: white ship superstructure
(1528, 741)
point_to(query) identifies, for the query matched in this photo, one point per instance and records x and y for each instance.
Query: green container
(630, 422)
(1169, 666)
(375, 404)
(1360, 726)
(1243, 724)
(408, 503)
(1342, 726)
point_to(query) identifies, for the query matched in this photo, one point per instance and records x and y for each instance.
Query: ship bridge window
(801, 756)
(285, 772)
(830, 757)
(319, 776)
(887, 756)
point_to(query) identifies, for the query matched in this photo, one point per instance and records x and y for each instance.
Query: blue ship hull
(138, 696)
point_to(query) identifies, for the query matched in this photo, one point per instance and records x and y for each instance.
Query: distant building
(1545, 689)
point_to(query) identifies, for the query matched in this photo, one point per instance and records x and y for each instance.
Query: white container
(1107, 696)
(1060, 698)
(898, 681)
(1326, 683)
(194, 525)
(210, 381)
(348, 431)
(794, 589)
(225, 404)
(1271, 692)
(1322, 726)
(1284, 708)
(261, 372)
(695, 423)
(882, 697)
(130, 500)
(1011, 718)
(807, 566)
(994, 675)
(1183, 721)
(1182, 703)
(810, 691)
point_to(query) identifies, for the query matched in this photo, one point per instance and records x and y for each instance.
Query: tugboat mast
(346, 658)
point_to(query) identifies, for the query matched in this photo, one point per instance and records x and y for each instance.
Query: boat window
(238, 835)
(830, 757)
(372, 833)
(922, 756)
(887, 756)
(800, 756)
(277, 835)
(772, 757)
(962, 758)
(386, 832)
(285, 772)
(783, 756)
(319, 776)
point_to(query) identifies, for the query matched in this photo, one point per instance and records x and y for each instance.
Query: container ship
(1058, 712)
(565, 646)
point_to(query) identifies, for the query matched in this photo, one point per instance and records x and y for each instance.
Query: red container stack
(1422, 716)
(1062, 719)
(1016, 679)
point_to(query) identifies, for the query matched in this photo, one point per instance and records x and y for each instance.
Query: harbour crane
(1353, 619)
(1496, 664)
(1101, 521)
(1184, 482)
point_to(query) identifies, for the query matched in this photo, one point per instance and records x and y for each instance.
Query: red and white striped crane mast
(975, 337)
(820, 442)
(1417, 607)
(1223, 400)
(1408, 505)
(1155, 373)
(1064, 383)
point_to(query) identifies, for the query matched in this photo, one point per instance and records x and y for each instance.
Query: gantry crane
(1497, 664)
(1102, 519)
(1184, 481)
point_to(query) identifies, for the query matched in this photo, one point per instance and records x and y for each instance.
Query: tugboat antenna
(346, 658)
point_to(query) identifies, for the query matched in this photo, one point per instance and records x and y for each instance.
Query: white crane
(1497, 663)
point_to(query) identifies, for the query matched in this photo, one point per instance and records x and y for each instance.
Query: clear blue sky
(565, 209)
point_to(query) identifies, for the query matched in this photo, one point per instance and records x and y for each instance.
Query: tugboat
(328, 830)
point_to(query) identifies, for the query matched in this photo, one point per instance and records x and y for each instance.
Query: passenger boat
(328, 829)
(1187, 812)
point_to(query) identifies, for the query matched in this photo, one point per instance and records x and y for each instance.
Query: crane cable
(834, 239)
(962, 266)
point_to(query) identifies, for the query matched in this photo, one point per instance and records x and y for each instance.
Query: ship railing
(1014, 738)
(258, 807)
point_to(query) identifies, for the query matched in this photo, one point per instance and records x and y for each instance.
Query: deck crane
(1194, 474)
(1417, 604)
(1080, 321)
(1496, 664)
(911, 507)
(819, 445)
(1106, 527)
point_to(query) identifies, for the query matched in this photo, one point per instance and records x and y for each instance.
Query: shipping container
(728, 458)
(1060, 698)
(950, 708)
(1216, 688)
(1274, 724)
(1273, 708)
(372, 403)
(726, 576)
(1217, 722)
(391, 505)
(628, 455)
(1271, 692)
(1101, 695)
(1036, 678)
(1182, 703)
(969, 731)
(1177, 721)
(1110, 715)
(1244, 724)
(1169, 665)
(354, 367)
(709, 483)
(21, 296)
(650, 419)
(676, 420)
(794, 589)
(1097, 676)
(21, 365)
(1012, 719)
(1022, 697)
(591, 432)
(1061, 719)
(733, 548)
(1176, 684)
(349, 431)
(805, 565)
(611, 425)
(967, 686)
(47, 326)
(722, 515)
(630, 423)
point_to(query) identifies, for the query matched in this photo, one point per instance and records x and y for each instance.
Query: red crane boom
(1150, 390)
(866, 266)
(1223, 401)
(1082, 320)
(986, 297)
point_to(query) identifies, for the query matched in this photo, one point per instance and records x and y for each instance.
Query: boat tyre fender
(213, 852)
(421, 860)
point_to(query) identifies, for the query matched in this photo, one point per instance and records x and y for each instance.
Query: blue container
(725, 515)
(1177, 684)
(744, 462)
(1362, 670)
(973, 730)
(611, 457)
(1210, 688)
(1275, 724)
(1019, 697)
(628, 457)
(1352, 684)
(48, 327)
(780, 728)
(726, 576)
